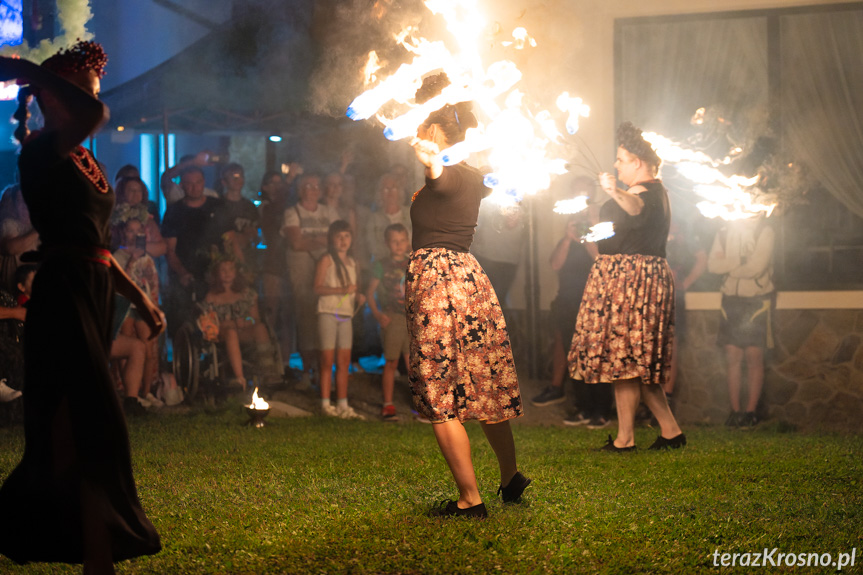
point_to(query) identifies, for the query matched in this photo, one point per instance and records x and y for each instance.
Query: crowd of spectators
(257, 272)
(242, 266)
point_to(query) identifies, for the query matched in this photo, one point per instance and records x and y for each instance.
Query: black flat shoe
(451, 509)
(512, 492)
(611, 447)
(673, 443)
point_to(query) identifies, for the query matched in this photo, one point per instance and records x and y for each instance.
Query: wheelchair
(201, 367)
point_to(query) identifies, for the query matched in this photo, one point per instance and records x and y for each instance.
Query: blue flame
(491, 180)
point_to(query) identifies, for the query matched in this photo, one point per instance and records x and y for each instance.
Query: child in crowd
(236, 307)
(336, 288)
(388, 274)
(24, 275)
(132, 256)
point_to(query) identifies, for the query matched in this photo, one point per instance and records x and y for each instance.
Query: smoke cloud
(73, 16)
(347, 31)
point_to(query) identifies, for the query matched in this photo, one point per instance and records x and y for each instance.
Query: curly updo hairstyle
(81, 56)
(630, 139)
(453, 119)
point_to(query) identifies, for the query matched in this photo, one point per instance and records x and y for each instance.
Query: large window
(786, 85)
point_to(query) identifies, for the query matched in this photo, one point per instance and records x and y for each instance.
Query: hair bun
(630, 139)
(465, 116)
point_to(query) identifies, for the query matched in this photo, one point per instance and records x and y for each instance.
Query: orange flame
(518, 142)
(258, 402)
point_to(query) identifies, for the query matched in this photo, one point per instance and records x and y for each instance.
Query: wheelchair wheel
(186, 362)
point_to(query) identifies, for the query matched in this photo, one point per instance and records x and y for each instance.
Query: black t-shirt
(66, 208)
(645, 234)
(445, 211)
(572, 277)
(197, 230)
(238, 215)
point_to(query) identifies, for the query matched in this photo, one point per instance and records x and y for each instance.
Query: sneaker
(347, 412)
(329, 410)
(451, 509)
(154, 401)
(388, 413)
(597, 423)
(7, 393)
(576, 420)
(549, 396)
(733, 419)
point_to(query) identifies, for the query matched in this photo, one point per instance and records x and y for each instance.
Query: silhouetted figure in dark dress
(72, 498)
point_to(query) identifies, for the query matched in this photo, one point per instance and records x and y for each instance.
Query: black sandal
(512, 492)
(450, 508)
(673, 443)
(612, 448)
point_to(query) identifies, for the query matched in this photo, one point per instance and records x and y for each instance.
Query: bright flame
(257, 402)
(576, 108)
(522, 39)
(601, 231)
(727, 197)
(373, 64)
(402, 85)
(475, 140)
(514, 137)
(571, 206)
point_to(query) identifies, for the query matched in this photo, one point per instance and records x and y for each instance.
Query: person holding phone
(131, 192)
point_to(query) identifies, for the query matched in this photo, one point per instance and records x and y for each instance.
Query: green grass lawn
(329, 496)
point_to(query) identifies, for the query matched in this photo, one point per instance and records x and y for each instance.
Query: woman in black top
(72, 499)
(461, 364)
(625, 326)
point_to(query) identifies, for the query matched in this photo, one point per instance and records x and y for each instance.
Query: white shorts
(334, 331)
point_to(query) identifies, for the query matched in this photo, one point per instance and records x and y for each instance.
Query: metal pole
(164, 141)
(532, 292)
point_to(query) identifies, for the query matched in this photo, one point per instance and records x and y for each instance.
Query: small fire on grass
(257, 410)
(258, 402)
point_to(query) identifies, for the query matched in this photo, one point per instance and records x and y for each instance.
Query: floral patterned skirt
(625, 326)
(461, 364)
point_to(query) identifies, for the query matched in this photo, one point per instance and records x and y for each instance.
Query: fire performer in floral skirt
(72, 499)
(625, 325)
(461, 365)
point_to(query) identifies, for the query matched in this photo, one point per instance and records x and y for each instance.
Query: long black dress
(76, 472)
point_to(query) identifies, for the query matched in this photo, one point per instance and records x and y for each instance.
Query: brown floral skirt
(625, 326)
(461, 364)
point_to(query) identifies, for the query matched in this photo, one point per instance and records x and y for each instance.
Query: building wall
(813, 376)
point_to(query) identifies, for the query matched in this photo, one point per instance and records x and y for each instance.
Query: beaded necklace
(91, 170)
